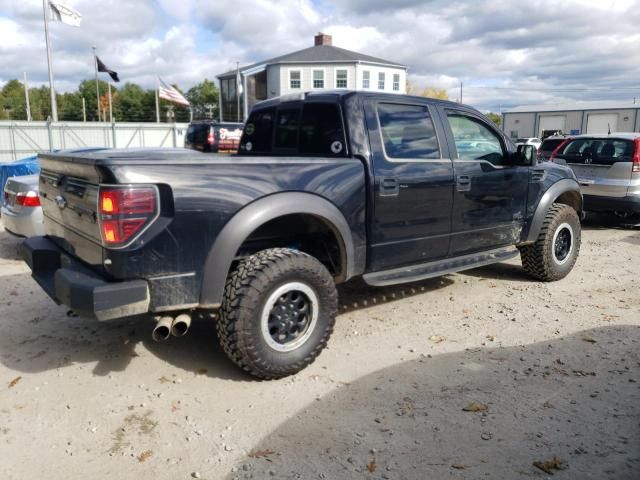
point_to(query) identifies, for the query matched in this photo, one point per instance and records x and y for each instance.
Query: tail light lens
(28, 199)
(636, 156)
(559, 149)
(124, 212)
(211, 138)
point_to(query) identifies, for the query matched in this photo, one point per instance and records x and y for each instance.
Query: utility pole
(84, 110)
(95, 65)
(52, 92)
(461, 92)
(26, 97)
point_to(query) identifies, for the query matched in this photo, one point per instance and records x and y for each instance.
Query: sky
(505, 53)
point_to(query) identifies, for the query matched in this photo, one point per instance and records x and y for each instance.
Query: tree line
(130, 103)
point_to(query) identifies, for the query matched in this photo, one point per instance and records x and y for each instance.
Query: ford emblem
(60, 202)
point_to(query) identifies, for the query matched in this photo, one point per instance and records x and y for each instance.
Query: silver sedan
(21, 210)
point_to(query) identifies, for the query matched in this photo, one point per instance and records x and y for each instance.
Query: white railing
(21, 139)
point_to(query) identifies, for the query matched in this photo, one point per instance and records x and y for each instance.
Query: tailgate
(69, 198)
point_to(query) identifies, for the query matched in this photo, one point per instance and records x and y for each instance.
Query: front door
(490, 193)
(410, 220)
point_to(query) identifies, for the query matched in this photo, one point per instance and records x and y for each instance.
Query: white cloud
(504, 53)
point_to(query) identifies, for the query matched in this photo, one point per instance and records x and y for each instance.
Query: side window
(407, 131)
(287, 124)
(475, 141)
(321, 130)
(258, 130)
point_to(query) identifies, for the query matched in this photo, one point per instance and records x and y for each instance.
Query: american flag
(171, 94)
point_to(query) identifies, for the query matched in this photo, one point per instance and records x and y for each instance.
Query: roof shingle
(319, 54)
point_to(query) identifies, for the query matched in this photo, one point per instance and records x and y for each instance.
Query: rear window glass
(197, 133)
(258, 132)
(407, 131)
(599, 150)
(551, 145)
(309, 129)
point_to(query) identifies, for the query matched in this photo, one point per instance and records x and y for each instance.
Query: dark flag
(103, 68)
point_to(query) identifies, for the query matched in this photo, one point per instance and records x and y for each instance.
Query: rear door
(413, 184)
(489, 199)
(603, 165)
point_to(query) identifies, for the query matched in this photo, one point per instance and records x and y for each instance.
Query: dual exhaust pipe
(168, 326)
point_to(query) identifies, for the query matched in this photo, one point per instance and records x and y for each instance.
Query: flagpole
(157, 102)
(54, 106)
(110, 109)
(26, 97)
(95, 66)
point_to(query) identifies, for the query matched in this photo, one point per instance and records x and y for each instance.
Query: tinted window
(317, 130)
(603, 151)
(258, 131)
(287, 124)
(474, 140)
(551, 145)
(321, 130)
(197, 134)
(407, 131)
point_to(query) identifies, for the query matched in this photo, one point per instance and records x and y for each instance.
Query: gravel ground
(474, 375)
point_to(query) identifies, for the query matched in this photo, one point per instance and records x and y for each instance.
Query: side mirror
(526, 155)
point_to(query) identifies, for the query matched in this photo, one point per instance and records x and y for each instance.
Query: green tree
(495, 118)
(204, 99)
(12, 100)
(427, 91)
(87, 89)
(130, 104)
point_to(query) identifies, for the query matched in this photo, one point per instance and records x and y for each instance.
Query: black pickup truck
(326, 187)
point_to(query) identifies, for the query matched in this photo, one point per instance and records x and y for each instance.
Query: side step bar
(413, 273)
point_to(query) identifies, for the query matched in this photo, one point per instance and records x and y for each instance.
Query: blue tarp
(25, 166)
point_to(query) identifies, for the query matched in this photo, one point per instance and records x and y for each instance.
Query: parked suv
(549, 145)
(211, 136)
(608, 170)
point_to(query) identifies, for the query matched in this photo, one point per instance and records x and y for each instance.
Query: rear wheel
(555, 251)
(277, 313)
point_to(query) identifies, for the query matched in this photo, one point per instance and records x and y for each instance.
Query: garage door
(601, 122)
(551, 122)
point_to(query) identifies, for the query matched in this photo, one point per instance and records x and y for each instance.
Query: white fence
(21, 139)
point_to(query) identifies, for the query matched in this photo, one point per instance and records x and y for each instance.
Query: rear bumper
(594, 203)
(70, 282)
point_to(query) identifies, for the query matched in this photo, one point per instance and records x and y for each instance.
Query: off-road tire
(538, 259)
(247, 290)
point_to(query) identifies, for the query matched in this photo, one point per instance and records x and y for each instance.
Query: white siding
(388, 84)
(354, 77)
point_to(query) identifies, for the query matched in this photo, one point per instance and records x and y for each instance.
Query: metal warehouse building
(574, 119)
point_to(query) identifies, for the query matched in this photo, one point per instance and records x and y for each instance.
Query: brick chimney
(322, 39)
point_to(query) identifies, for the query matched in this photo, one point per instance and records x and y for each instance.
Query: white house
(321, 67)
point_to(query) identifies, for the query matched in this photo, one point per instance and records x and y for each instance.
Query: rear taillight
(211, 138)
(124, 212)
(28, 199)
(636, 156)
(558, 149)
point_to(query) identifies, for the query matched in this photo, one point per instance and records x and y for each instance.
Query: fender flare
(548, 198)
(256, 214)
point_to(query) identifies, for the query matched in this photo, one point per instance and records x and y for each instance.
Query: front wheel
(555, 251)
(277, 313)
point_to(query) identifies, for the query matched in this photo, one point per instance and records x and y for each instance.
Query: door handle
(389, 186)
(464, 183)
